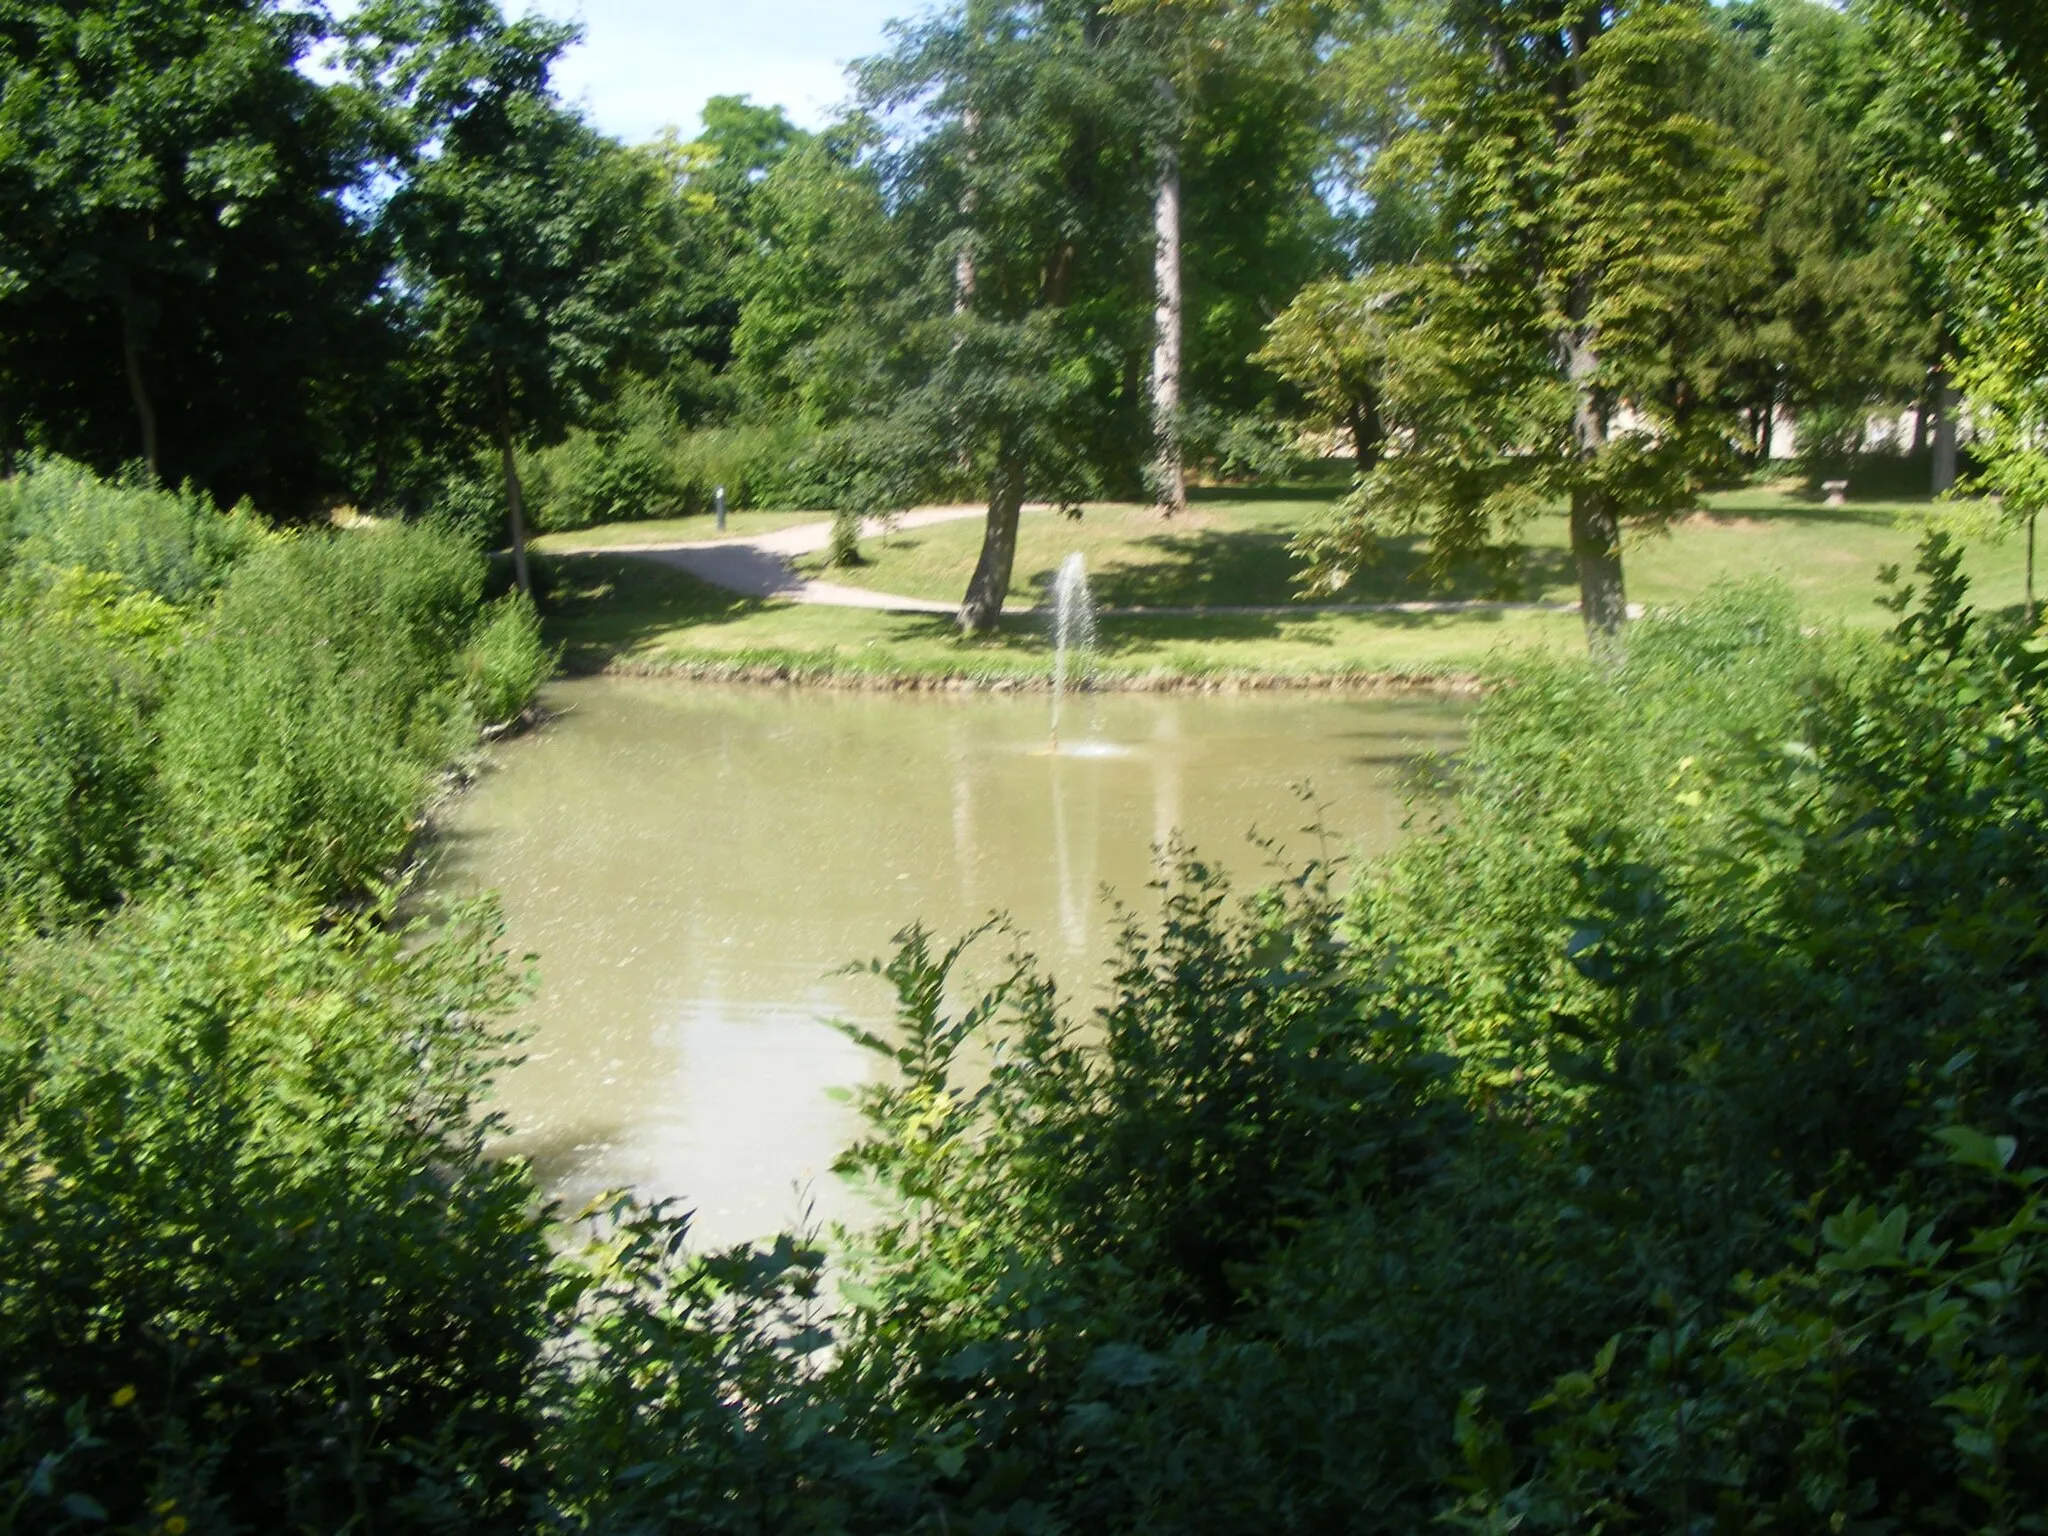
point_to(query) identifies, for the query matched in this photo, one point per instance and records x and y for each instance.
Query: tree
(1583, 205)
(1332, 343)
(825, 253)
(2005, 378)
(526, 234)
(710, 190)
(1236, 141)
(1967, 107)
(182, 279)
(1959, 128)
(1019, 151)
(1823, 313)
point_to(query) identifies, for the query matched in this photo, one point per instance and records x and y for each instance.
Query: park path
(760, 566)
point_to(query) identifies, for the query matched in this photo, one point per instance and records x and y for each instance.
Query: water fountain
(1073, 634)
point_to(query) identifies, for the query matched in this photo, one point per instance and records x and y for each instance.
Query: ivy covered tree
(1584, 207)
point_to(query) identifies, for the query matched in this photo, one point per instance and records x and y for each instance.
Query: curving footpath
(759, 566)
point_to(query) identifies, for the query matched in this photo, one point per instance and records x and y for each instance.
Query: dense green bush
(174, 544)
(75, 760)
(507, 661)
(256, 1271)
(326, 690)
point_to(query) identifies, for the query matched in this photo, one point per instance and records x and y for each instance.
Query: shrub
(256, 1271)
(301, 732)
(507, 661)
(625, 471)
(174, 544)
(75, 760)
(1646, 1145)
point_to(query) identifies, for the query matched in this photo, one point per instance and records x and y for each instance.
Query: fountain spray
(1073, 633)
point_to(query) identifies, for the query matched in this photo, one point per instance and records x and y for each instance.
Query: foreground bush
(60, 515)
(324, 694)
(75, 762)
(254, 1267)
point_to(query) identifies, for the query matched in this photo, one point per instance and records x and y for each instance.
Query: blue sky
(645, 64)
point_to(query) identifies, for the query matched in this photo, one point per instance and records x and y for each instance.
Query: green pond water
(693, 866)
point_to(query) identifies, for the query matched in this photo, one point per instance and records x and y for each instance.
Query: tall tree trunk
(1169, 471)
(1947, 405)
(983, 604)
(964, 272)
(138, 386)
(1596, 548)
(1368, 433)
(965, 275)
(515, 504)
(1595, 520)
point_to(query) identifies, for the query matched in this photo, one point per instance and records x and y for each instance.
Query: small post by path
(718, 506)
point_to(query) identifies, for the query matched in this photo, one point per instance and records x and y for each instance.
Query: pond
(695, 867)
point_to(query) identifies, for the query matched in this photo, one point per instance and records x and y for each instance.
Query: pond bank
(829, 675)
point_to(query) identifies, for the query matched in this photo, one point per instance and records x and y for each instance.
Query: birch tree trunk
(964, 275)
(983, 604)
(1169, 472)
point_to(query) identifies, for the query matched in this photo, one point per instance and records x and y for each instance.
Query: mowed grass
(1236, 552)
(699, 528)
(1231, 550)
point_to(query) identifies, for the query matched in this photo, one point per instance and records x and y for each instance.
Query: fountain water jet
(1073, 633)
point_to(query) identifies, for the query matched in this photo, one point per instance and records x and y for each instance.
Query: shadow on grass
(1783, 509)
(604, 607)
(599, 607)
(1315, 487)
(1257, 567)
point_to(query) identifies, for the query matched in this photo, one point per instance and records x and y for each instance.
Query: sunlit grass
(618, 611)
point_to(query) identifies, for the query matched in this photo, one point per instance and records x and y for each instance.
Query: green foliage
(181, 279)
(642, 462)
(58, 515)
(75, 762)
(507, 662)
(301, 734)
(1825, 312)
(1584, 208)
(609, 476)
(258, 1272)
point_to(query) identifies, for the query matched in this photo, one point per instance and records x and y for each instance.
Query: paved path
(760, 567)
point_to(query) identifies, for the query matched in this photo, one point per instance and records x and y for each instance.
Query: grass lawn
(672, 530)
(1231, 549)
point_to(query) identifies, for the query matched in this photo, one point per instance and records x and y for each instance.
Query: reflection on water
(695, 865)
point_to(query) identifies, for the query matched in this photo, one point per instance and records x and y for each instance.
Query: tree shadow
(1215, 568)
(599, 607)
(1322, 485)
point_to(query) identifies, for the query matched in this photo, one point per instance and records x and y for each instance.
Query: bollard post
(718, 506)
